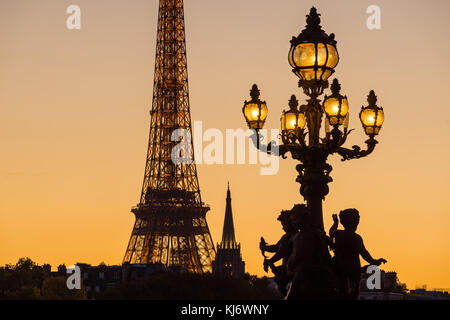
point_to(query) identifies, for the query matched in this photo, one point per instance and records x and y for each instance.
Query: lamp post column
(313, 176)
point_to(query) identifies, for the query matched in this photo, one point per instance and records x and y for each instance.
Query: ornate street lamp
(313, 56)
(293, 121)
(372, 116)
(255, 111)
(336, 105)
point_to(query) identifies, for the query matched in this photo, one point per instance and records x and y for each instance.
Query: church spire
(228, 237)
(228, 258)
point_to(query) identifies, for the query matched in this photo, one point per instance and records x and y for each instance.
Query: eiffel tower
(170, 227)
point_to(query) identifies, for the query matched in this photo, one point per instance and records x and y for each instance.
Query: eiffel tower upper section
(166, 182)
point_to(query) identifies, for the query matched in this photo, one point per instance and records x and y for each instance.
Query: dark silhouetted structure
(313, 56)
(282, 250)
(390, 287)
(171, 227)
(229, 259)
(99, 278)
(348, 246)
(310, 261)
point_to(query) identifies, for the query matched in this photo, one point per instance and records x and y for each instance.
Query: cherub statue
(310, 261)
(348, 246)
(282, 250)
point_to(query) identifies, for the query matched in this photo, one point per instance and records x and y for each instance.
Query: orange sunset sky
(74, 124)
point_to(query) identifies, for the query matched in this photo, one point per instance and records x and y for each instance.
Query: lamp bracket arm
(356, 152)
(335, 139)
(346, 134)
(271, 149)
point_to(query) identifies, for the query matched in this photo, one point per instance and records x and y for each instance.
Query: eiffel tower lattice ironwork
(170, 227)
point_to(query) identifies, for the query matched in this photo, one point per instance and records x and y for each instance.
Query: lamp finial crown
(335, 87)
(313, 18)
(293, 102)
(313, 31)
(372, 99)
(254, 93)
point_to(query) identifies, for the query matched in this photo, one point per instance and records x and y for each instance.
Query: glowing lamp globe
(292, 121)
(255, 111)
(372, 116)
(336, 106)
(313, 54)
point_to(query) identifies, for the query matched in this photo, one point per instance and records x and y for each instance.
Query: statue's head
(301, 216)
(285, 219)
(349, 219)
